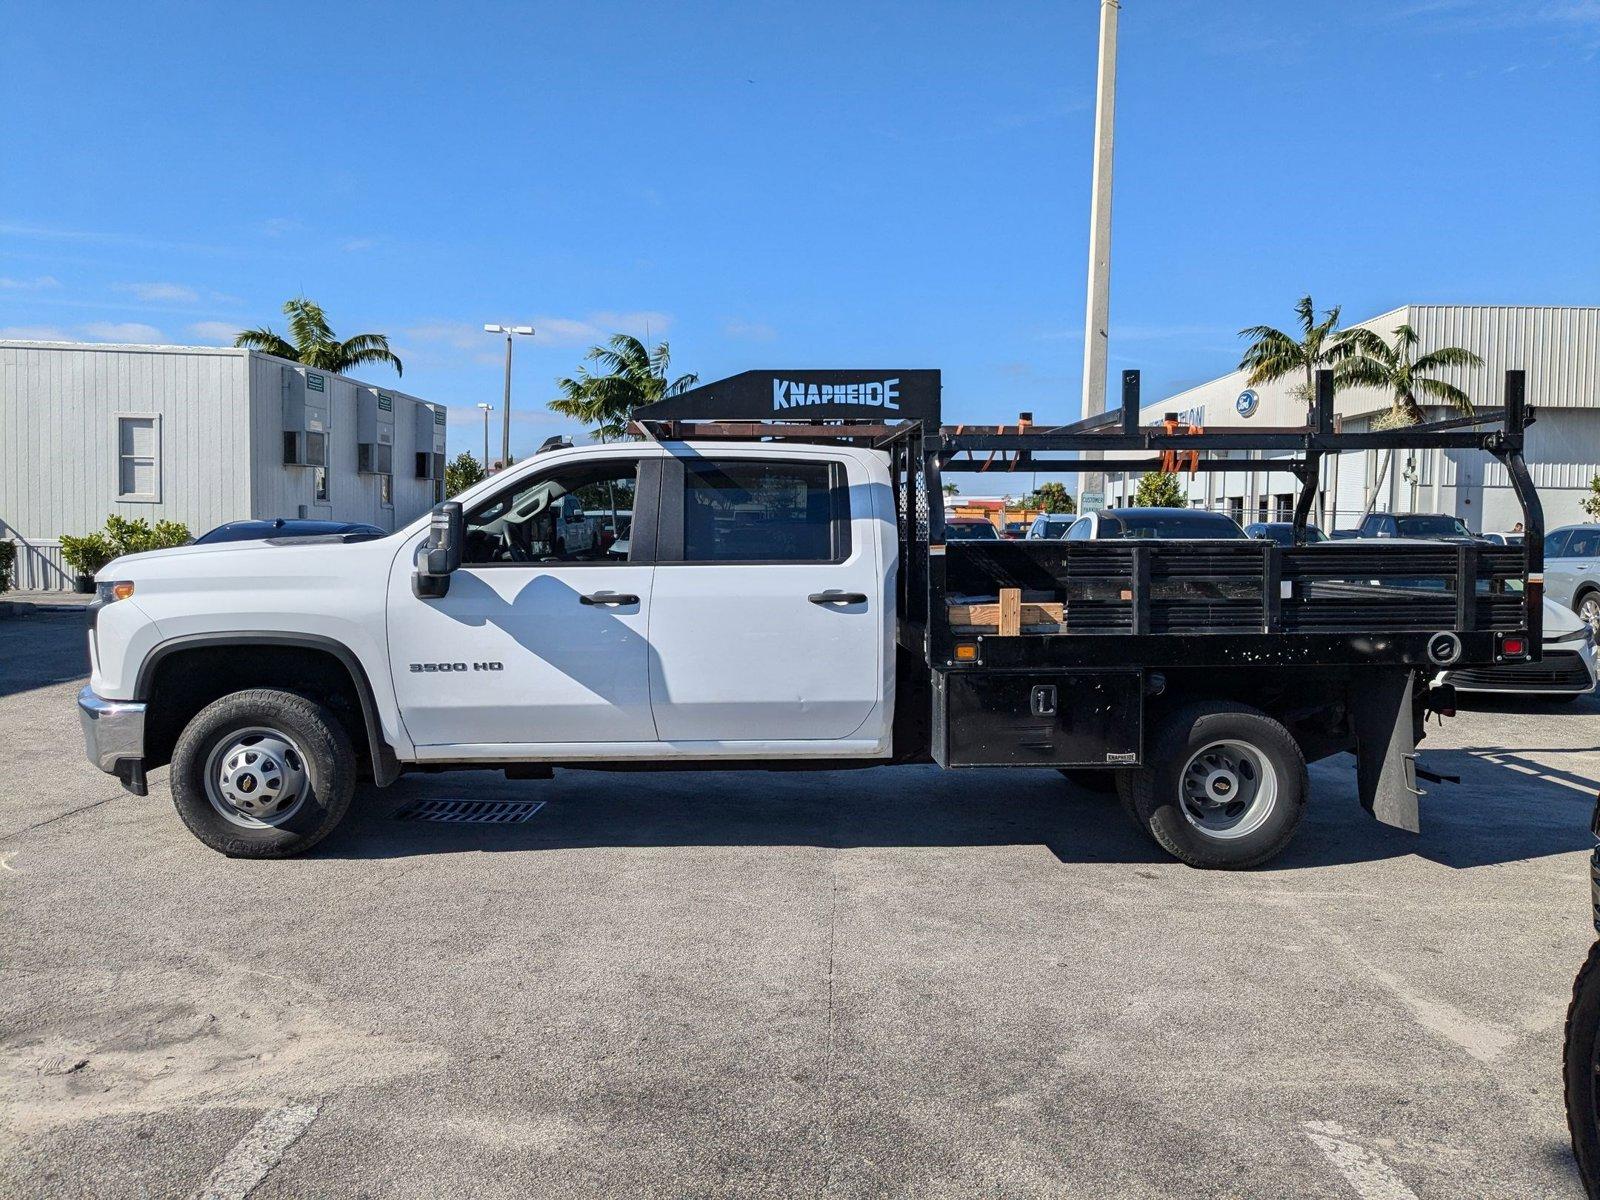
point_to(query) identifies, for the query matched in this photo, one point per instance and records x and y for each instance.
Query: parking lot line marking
(244, 1167)
(1368, 1175)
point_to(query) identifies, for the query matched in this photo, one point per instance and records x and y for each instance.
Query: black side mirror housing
(441, 553)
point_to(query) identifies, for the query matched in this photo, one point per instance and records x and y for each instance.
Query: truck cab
(749, 614)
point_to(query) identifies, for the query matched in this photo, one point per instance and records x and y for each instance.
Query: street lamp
(487, 409)
(505, 434)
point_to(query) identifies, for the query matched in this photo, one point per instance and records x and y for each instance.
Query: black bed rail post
(1130, 402)
(1322, 406)
(1311, 473)
(1508, 449)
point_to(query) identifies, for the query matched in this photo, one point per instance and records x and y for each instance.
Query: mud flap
(1381, 706)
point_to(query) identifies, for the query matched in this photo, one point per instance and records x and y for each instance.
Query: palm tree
(1272, 353)
(314, 343)
(634, 376)
(1369, 361)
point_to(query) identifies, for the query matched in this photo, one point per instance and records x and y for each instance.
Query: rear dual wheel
(1224, 786)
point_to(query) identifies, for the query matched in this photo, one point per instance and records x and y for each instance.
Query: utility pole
(505, 435)
(487, 409)
(1097, 313)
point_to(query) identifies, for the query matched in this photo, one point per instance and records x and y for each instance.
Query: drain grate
(471, 812)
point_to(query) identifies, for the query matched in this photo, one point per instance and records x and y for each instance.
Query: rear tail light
(1514, 647)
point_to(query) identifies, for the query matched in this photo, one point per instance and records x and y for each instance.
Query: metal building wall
(1559, 348)
(58, 437)
(277, 490)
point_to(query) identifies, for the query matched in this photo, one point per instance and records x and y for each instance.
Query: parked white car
(1572, 570)
(1565, 671)
(1153, 523)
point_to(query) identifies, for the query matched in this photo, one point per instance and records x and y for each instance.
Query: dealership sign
(1247, 403)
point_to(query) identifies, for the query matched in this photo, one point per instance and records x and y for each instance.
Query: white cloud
(38, 283)
(452, 333)
(34, 333)
(597, 327)
(591, 329)
(158, 292)
(356, 245)
(219, 332)
(755, 331)
(121, 331)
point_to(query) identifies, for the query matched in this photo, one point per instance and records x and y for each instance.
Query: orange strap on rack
(1174, 460)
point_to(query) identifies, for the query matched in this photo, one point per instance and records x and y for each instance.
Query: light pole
(487, 409)
(1097, 312)
(505, 427)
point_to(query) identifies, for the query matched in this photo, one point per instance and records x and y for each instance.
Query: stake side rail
(1232, 603)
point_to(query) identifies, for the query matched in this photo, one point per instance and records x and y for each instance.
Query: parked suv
(1432, 527)
(1572, 570)
(1050, 525)
(1153, 523)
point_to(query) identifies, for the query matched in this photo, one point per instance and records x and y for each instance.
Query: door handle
(837, 597)
(608, 598)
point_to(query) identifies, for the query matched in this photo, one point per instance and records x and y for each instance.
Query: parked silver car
(1572, 570)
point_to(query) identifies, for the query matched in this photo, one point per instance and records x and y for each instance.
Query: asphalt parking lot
(857, 983)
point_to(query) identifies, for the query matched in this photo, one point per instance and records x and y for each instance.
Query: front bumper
(113, 737)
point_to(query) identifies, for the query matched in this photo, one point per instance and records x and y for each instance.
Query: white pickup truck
(783, 598)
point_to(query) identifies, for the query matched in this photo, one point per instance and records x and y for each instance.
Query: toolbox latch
(1042, 700)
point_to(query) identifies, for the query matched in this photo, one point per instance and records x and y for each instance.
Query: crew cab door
(541, 638)
(770, 614)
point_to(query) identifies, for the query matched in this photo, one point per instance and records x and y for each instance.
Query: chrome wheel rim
(1228, 790)
(1589, 611)
(257, 778)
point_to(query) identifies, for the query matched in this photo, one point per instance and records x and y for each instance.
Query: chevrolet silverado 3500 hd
(783, 597)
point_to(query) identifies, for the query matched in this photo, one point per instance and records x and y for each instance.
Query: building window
(319, 485)
(386, 490)
(139, 458)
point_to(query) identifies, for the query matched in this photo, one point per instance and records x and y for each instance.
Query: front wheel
(263, 774)
(1226, 786)
(1588, 610)
(1579, 1066)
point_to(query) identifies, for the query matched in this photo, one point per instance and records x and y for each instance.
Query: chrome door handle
(608, 598)
(837, 597)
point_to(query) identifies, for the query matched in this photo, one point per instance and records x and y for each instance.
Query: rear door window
(755, 510)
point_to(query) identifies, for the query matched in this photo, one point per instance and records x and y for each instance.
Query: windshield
(967, 530)
(1284, 534)
(1424, 527)
(1179, 524)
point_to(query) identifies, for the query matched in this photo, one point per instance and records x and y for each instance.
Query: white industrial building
(201, 435)
(1559, 348)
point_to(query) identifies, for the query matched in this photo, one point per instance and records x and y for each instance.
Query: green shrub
(8, 558)
(87, 554)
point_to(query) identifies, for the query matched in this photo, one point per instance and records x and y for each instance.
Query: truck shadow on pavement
(1495, 815)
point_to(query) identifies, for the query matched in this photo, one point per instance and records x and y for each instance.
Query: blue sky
(787, 184)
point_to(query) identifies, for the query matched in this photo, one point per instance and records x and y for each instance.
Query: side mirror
(441, 553)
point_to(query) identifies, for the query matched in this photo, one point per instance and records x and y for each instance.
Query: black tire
(1578, 1070)
(1154, 798)
(323, 754)
(1101, 782)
